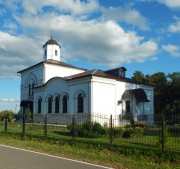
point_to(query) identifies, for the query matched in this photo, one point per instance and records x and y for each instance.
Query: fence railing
(160, 134)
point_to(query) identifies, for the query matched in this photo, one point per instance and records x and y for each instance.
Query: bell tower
(52, 50)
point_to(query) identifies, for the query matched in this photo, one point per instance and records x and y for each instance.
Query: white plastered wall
(55, 70)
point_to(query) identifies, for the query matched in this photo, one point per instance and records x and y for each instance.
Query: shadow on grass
(99, 143)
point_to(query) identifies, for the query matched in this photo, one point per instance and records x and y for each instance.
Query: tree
(6, 114)
(139, 77)
(174, 83)
(161, 95)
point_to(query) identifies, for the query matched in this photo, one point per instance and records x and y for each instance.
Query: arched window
(39, 105)
(56, 53)
(57, 104)
(80, 103)
(29, 89)
(64, 104)
(32, 89)
(49, 105)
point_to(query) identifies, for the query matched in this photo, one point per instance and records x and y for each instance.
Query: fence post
(111, 133)
(162, 134)
(45, 126)
(24, 119)
(5, 124)
(73, 127)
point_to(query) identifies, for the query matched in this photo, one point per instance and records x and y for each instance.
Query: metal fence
(160, 134)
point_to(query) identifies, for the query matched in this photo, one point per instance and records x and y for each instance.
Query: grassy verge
(88, 152)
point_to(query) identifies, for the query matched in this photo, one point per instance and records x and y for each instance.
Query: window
(57, 104)
(56, 53)
(127, 106)
(32, 89)
(49, 105)
(122, 74)
(39, 105)
(64, 104)
(45, 53)
(80, 103)
(29, 89)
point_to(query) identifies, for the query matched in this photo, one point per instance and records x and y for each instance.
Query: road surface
(15, 158)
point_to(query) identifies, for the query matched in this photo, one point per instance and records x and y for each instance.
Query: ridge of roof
(53, 62)
(100, 73)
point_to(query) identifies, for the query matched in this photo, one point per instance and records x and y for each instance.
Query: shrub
(118, 132)
(138, 132)
(87, 129)
(140, 125)
(128, 133)
(133, 131)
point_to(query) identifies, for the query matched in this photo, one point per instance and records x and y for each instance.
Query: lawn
(125, 153)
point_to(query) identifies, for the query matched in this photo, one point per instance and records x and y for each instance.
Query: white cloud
(93, 40)
(175, 27)
(75, 7)
(16, 53)
(154, 58)
(171, 3)
(10, 100)
(99, 41)
(172, 49)
(127, 15)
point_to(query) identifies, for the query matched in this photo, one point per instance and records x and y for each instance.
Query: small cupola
(52, 50)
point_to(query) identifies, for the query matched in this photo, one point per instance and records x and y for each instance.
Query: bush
(88, 129)
(128, 133)
(118, 132)
(140, 125)
(138, 132)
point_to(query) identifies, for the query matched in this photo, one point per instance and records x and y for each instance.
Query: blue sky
(140, 35)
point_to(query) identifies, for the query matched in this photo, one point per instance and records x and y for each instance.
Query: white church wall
(54, 87)
(40, 93)
(103, 96)
(35, 75)
(76, 87)
(58, 86)
(53, 71)
(120, 88)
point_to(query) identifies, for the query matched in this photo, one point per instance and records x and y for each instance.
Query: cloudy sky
(137, 34)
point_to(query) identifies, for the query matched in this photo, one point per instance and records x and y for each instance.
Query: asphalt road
(14, 158)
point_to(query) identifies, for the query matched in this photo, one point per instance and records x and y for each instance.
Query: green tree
(6, 114)
(139, 77)
(161, 95)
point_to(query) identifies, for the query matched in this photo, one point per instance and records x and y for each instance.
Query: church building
(55, 88)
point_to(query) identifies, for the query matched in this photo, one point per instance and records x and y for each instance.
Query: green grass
(87, 152)
(126, 153)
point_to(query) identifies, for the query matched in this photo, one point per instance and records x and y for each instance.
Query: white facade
(55, 88)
